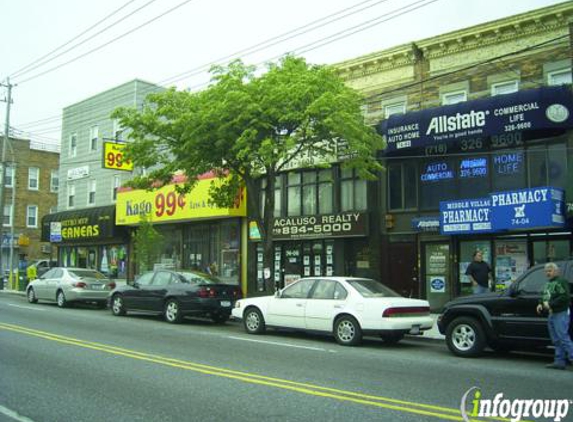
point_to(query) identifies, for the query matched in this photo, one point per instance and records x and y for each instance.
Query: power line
(23, 69)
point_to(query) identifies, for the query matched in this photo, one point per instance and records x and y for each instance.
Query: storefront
(493, 174)
(88, 238)
(195, 234)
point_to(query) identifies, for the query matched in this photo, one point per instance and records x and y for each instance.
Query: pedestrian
(556, 300)
(479, 272)
(31, 272)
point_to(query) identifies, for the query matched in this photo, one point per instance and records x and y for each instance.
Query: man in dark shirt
(479, 272)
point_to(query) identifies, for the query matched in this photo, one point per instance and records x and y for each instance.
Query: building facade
(479, 150)
(30, 193)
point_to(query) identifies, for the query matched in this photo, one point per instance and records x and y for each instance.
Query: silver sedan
(67, 285)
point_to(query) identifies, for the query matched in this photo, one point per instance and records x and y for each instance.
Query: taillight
(406, 311)
(111, 285)
(80, 284)
(207, 292)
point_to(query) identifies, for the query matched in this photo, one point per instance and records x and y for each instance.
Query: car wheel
(219, 318)
(392, 338)
(61, 299)
(117, 305)
(32, 296)
(465, 337)
(253, 321)
(172, 312)
(347, 331)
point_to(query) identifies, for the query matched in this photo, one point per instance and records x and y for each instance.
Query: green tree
(148, 244)
(248, 127)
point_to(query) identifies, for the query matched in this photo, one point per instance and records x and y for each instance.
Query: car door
(136, 297)
(40, 285)
(516, 315)
(52, 283)
(157, 291)
(288, 307)
(324, 303)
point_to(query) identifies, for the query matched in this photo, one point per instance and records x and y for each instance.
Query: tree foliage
(148, 244)
(246, 126)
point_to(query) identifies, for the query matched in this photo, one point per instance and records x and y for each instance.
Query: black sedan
(176, 294)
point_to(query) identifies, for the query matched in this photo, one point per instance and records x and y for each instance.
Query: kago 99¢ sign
(113, 157)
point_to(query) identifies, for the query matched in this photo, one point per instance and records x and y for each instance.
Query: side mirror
(512, 290)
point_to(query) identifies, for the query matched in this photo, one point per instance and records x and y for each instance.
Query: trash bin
(22, 282)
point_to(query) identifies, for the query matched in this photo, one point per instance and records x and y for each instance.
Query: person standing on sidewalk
(556, 300)
(479, 273)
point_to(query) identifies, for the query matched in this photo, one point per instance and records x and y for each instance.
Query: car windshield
(372, 288)
(86, 274)
(195, 277)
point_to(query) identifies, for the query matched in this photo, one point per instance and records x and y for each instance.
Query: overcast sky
(178, 39)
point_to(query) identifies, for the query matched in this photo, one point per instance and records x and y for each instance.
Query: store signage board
(350, 224)
(113, 157)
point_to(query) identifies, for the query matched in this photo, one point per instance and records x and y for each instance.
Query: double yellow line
(442, 413)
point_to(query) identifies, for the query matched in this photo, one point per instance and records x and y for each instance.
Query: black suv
(503, 321)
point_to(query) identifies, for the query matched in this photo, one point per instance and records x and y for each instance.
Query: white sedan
(344, 306)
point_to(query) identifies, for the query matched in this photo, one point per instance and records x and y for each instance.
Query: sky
(59, 52)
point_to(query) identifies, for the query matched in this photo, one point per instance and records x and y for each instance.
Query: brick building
(32, 186)
(467, 114)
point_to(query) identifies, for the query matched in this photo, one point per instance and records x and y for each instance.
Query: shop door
(437, 274)
(403, 271)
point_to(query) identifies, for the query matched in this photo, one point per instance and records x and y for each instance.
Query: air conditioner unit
(46, 248)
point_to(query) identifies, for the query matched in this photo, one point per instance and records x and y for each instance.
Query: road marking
(276, 343)
(14, 415)
(31, 308)
(443, 413)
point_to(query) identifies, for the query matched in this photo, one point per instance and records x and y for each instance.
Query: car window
(372, 288)
(199, 278)
(298, 290)
(324, 289)
(56, 273)
(86, 274)
(50, 273)
(145, 279)
(162, 278)
(534, 282)
(340, 292)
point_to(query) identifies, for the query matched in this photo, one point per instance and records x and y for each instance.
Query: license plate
(97, 286)
(415, 329)
(226, 303)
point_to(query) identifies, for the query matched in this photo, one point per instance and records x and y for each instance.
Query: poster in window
(306, 271)
(306, 260)
(329, 271)
(317, 270)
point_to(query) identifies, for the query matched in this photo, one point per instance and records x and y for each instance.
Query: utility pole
(3, 175)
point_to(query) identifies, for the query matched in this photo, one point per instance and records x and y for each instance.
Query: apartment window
(33, 178)
(559, 77)
(502, 88)
(9, 177)
(294, 194)
(114, 187)
(278, 195)
(117, 131)
(91, 192)
(54, 181)
(7, 222)
(94, 134)
(396, 108)
(402, 186)
(73, 145)
(454, 97)
(352, 191)
(32, 216)
(71, 195)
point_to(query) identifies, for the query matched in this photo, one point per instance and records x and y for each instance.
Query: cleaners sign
(512, 210)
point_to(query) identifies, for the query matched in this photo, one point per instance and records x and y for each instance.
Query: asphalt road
(83, 364)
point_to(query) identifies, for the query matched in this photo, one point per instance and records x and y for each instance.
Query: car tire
(347, 331)
(465, 337)
(61, 300)
(31, 295)
(118, 305)
(392, 338)
(172, 311)
(253, 321)
(219, 318)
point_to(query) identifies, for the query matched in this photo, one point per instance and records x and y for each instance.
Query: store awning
(81, 226)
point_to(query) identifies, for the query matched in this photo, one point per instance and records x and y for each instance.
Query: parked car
(344, 306)
(68, 285)
(42, 266)
(504, 320)
(176, 294)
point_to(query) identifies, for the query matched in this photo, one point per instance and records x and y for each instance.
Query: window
(278, 195)
(145, 279)
(94, 133)
(54, 181)
(454, 97)
(402, 186)
(162, 278)
(117, 131)
(73, 145)
(298, 290)
(396, 108)
(91, 192)
(473, 176)
(32, 216)
(437, 182)
(317, 192)
(559, 77)
(114, 187)
(352, 191)
(33, 178)
(324, 289)
(294, 194)
(71, 195)
(547, 165)
(504, 88)
(7, 215)
(9, 177)
(534, 283)
(508, 170)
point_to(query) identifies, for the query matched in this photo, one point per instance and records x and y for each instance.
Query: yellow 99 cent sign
(113, 157)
